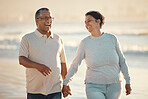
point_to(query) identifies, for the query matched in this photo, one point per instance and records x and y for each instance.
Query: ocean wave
(126, 52)
(127, 28)
(131, 44)
(12, 52)
(136, 53)
(137, 33)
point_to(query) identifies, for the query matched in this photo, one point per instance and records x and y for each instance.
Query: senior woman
(104, 60)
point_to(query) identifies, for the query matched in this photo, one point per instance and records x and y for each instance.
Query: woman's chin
(89, 30)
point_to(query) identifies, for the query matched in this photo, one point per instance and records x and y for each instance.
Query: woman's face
(91, 23)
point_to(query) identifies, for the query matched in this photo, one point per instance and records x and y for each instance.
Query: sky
(22, 11)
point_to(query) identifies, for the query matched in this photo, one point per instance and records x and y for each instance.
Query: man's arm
(66, 89)
(63, 70)
(31, 64)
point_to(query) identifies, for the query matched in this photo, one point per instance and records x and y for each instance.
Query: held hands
(128, 89)
(43, 69)
(66, 91)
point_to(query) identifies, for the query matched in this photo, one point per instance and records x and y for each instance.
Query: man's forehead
(45, 13)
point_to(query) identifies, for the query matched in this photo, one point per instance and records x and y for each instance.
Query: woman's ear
(98, 21)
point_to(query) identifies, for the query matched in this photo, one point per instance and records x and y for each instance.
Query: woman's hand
(128, 89)
(66, 91)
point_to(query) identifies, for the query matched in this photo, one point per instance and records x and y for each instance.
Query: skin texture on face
(91, 23)
(42, 24)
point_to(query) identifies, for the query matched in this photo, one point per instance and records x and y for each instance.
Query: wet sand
(12, 79)
(12, 82)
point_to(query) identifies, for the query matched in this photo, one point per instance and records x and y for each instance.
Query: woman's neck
(96, 33)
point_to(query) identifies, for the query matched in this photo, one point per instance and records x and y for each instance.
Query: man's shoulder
(56, 36)
(28, 35)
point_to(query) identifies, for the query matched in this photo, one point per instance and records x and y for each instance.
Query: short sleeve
(62, 54)
(24, 47)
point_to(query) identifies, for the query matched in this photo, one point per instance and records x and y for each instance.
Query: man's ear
(36, 20)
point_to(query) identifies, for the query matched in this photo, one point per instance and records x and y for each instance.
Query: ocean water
(133, 37)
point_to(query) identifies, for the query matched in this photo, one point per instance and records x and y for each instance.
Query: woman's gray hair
(38, 12)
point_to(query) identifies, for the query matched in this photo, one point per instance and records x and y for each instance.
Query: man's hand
(128, 89)
(66, 91)
(43, 69)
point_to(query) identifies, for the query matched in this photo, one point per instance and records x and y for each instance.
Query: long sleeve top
(104, 60)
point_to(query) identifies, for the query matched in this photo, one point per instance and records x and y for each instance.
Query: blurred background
(127, 19)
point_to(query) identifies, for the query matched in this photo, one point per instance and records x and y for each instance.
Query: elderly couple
(42, 53)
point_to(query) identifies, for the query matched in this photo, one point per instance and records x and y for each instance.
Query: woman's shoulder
(85, 39)
(111, 35)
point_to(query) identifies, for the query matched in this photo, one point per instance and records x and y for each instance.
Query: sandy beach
(127, 19)
(12, 82)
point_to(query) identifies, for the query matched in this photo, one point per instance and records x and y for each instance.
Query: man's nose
(48, 21)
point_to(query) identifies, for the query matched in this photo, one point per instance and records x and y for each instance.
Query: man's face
(44, 22)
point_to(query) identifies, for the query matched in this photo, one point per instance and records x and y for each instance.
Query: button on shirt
(48, 51)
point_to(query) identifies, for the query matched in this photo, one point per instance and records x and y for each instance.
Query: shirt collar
(51, 35)
(41, 35)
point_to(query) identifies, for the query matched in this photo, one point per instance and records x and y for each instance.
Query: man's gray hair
(38, 12)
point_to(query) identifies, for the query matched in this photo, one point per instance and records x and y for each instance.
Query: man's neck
(48, 33)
